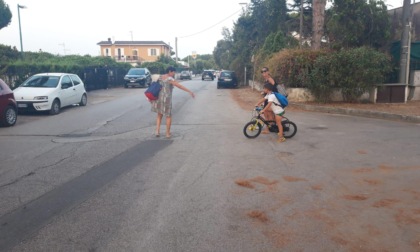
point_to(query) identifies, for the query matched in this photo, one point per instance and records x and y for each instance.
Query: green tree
(8, 54)
(293, 23)
(274, 43)
(222, 50)
(221, 54)
(5, 14)
(358, 23)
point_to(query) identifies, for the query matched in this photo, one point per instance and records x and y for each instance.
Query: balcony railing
(123, 58)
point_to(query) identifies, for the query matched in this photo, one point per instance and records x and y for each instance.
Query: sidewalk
(408, 112)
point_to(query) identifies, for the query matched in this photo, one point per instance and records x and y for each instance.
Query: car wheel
(125, 86)
(83, 100)
(55, 107)
(10, 116)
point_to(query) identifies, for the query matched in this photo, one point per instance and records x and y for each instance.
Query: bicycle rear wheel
(289, 129)
(252, 129)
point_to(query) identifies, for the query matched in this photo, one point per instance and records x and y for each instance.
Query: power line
(210, 26)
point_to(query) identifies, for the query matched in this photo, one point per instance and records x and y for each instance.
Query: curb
(359, 112)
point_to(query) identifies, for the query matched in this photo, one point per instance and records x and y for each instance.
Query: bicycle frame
(262, 121)
(257, 123)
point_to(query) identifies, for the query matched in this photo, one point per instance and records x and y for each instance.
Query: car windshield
(42, 81)
(136, 72)
(226, 74)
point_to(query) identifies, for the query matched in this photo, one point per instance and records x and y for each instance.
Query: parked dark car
(8, 106)
(138, 77)
(207, 74)
(227, 79)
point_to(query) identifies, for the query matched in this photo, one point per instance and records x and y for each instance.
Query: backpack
(282, 99)
(152, 92)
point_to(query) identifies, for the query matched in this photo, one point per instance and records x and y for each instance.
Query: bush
(320, 84)
(354, 71)
(16, 71)
(292, 67)
(358, 70)
(155, 67)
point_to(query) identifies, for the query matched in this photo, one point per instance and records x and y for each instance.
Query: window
(76, 80)
(135, 55)
(66, 82)
(153, 52)
(119, 53)
(136, 71)
(226, 74)
(42, 81)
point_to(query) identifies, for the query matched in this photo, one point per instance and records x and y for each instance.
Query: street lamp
(20, 30)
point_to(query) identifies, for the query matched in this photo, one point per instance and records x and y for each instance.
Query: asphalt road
(96, 179)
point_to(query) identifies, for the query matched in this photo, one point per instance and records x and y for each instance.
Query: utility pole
(20, 30)
(64, 48)
(405, 44)
(176, 50)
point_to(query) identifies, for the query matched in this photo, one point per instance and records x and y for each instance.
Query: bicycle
(253, 128)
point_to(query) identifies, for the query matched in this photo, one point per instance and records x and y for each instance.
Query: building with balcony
(134, 51)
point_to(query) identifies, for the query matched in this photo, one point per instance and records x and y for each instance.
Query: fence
(93, 77)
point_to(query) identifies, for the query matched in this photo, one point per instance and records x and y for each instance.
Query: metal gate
(391, 93)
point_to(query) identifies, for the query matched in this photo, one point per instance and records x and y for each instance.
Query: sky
(75, 27)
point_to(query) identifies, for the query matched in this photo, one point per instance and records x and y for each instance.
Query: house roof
(109, 42)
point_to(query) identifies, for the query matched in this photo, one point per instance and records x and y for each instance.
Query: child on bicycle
(274, 106)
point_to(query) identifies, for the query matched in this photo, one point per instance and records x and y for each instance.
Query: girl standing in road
(163, 105)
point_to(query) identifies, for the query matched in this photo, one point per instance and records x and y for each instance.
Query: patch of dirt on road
(258, 215)
(355, 197)
(317, 187)
(385, 203)
(244, 183)
(264, 181)
(408, 216)
(293, 179)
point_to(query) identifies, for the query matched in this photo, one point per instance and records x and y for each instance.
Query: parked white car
(50, 92)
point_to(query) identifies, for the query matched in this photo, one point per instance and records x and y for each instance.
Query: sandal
(280, 140)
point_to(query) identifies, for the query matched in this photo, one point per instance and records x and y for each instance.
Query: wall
(414, 88)
(303, 94)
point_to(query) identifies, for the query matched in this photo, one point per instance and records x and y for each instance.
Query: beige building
(134, 51)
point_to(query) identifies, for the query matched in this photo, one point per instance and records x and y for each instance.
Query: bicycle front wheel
(252, 129)
(289, 128)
